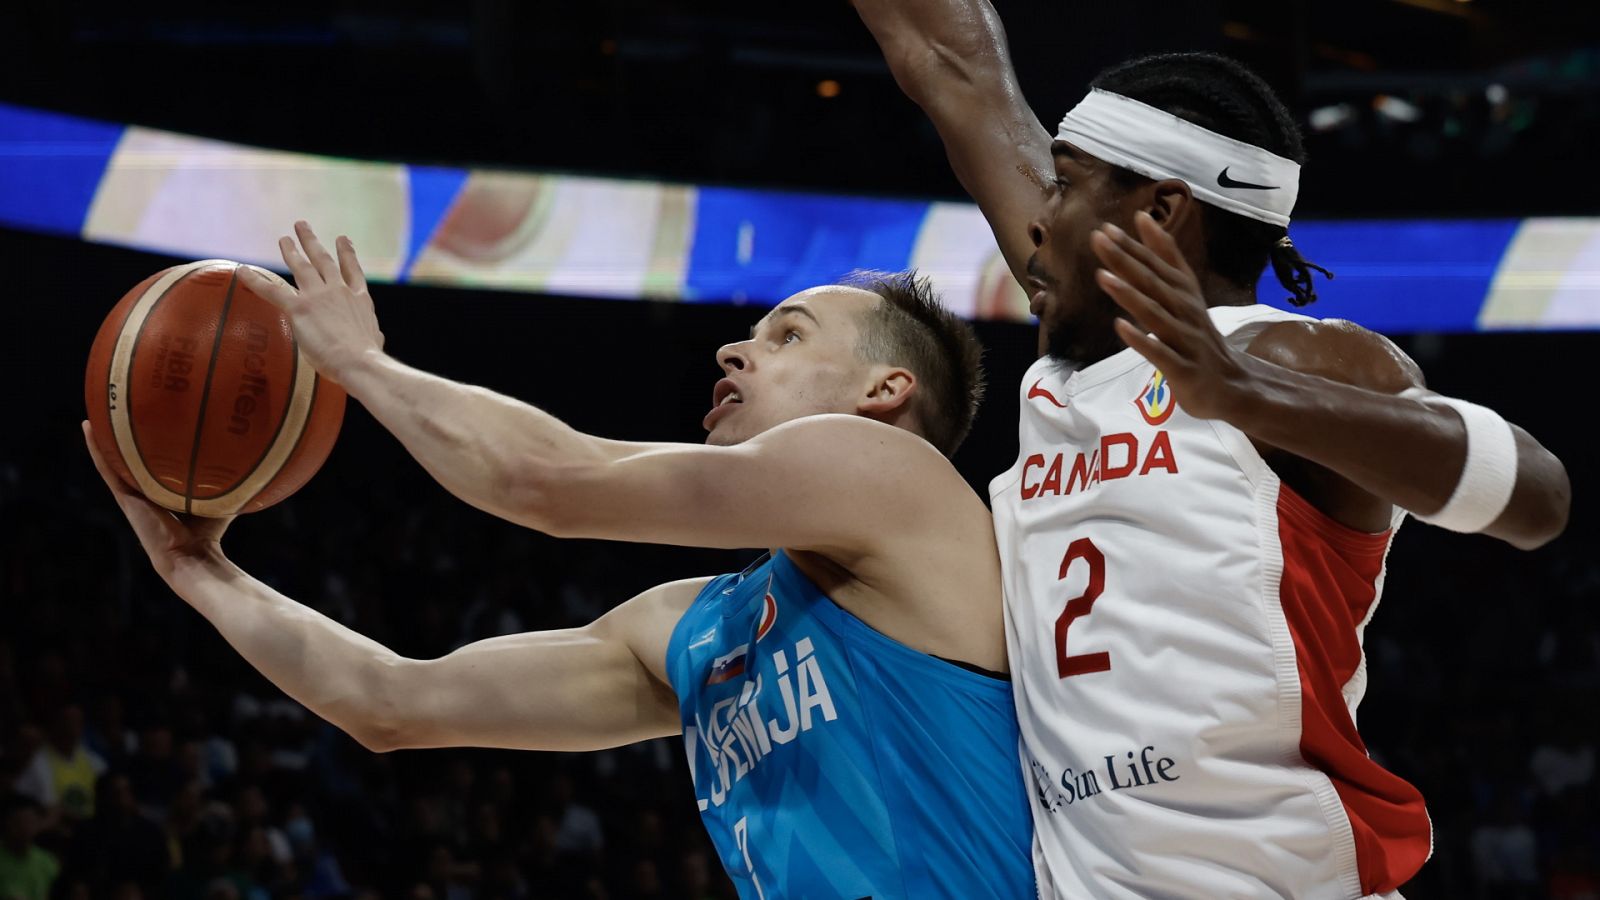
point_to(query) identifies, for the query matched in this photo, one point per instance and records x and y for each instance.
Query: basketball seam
(133, 354)
(111, 364)
(283, 418)
(311, 410)
(301, 397)
(205, 391)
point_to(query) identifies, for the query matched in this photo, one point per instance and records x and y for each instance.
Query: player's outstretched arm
(578, 689)
(465, 436)
(603, 685)
(841, 485)
(950, 57)
(815, 484)
(1336, 396)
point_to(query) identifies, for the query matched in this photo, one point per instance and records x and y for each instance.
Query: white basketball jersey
(1185, 639)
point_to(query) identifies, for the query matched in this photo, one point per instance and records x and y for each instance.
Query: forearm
(936, 46)
(1406, 450)
(573, 689)
(950, 57)
(338, 674)
(480, 445)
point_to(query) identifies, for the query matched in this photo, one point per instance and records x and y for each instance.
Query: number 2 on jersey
(1079, 606)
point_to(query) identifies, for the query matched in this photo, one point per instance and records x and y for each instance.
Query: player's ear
(889, 392)
(1171, 204)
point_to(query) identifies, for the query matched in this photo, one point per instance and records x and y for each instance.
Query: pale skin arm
(950, 57)
(813, 484)
(589, 688)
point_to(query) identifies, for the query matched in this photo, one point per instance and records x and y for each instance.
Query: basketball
(200, 399)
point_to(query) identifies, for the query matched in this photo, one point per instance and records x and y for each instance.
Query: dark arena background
(1449, 147)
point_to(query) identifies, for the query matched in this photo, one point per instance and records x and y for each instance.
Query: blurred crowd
(141, 758)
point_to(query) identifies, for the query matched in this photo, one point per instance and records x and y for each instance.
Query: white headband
(1236, 176)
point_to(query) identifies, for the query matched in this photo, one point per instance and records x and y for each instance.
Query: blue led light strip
(617, 238)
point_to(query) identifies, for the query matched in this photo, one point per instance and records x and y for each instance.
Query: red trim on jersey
(1330, 574)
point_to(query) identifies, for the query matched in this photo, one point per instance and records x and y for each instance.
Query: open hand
(1150, 279)
(167, 537)
(329, 307)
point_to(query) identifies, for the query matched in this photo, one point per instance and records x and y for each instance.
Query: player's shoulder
(1338, 350)
(647, 623)
(836, 437)
(888, 481)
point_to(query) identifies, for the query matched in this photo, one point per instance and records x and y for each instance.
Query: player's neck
(1220, 291)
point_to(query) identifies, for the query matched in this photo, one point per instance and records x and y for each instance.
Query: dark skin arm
(1320, 399)
(950, 58)
(1315, 398)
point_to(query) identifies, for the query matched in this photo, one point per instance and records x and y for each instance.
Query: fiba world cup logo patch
(1155, 401)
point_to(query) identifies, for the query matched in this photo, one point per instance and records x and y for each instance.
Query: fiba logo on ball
(199, 398)
(174, 362)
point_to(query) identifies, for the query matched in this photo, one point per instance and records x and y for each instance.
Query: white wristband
(1489, 474)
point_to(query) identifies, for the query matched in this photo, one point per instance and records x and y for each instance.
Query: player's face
(800, 360)
(1075, 315)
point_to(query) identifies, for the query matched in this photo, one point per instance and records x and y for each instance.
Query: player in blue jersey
(850, 726)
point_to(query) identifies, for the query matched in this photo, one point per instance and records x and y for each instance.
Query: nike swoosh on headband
(1225, 181)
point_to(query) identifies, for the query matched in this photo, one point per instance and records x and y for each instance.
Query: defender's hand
(334, 322)
(1150, 279)
(168, 538)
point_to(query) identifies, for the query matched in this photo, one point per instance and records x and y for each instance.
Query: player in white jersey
(1194, 534)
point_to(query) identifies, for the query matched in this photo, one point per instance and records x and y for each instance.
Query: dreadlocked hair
(1221, 95)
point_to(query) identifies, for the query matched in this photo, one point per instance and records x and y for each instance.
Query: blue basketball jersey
(831, 761)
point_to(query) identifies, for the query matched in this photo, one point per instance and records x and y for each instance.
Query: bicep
(603, 685)
(833, 484)
(1339, 351)
(1352, 356)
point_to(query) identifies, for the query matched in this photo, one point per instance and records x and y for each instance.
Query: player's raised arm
(1340, 397)
(950, 57)
(465, 436)
(814, 483)
(587, 688)
(817, 483)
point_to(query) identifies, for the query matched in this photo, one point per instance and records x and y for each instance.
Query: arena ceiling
(1411, 107)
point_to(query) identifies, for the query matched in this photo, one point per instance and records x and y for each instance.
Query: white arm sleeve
(1490, 472)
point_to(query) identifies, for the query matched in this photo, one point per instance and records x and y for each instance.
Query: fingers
(112, 479)
(326, 265)
(312, 265)
(1161, 242)
(1151, 349)
(1150, 315)
(305, 275)
(1141, 267)
(159, 530)
(152, 524)
(275, 292)
(349, 266)
(354, 277)
(1124, 268)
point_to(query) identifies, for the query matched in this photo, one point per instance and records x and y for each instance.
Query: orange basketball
(200, 399)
